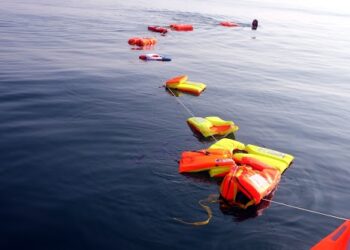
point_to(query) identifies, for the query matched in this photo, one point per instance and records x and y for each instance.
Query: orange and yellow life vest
(182, 84)
(247, 185)
(204, 160)
(181, 27)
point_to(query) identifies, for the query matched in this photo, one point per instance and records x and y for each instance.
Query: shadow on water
(211, 138)
(240, 214)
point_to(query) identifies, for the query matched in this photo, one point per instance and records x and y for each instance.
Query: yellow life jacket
(181, 83)
(212, 125)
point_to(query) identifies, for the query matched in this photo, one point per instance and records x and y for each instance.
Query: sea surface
(89, 138)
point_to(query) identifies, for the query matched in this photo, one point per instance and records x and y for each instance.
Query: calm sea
(89, 138)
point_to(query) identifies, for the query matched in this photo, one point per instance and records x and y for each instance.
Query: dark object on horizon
(254, 24)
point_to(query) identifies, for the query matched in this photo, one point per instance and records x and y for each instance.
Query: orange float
(181, 27)
(229, 24)
(158, 29)
(138, 41)
(339, 239)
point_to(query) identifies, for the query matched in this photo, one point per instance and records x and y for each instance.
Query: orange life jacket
(254, 182)
(203, 160)
(181, 27)
(142, 41)
(229, 24)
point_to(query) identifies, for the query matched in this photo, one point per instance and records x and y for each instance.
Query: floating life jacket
(204, 160)
(339, 239)
(275, 159)
(181, 27)
(138, 41)
(211, 125)
(154, 57)
(245, 185)
(228, 144)
(158, 29)
(229, 24)
(181, 83)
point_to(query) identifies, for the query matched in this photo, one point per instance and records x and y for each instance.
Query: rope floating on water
(211, 199)
(179, 101)
(307, 210)
(186, 108)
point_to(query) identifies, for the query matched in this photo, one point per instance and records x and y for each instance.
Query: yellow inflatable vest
(226, 144)
(181, 83)
(212, 125)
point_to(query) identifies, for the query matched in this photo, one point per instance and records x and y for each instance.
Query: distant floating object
(339, 239)
(181, 27)
(154, 57)
(229, 24)
(158, 29)
(146, 41)
(181, 83)
(254, 24)
(211, 125)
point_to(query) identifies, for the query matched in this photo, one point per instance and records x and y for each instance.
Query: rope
(179, 101)
(212, 198)
(186, 108)
(307, 210)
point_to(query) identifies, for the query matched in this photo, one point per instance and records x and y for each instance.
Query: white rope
(307, 210)
(179, 101)
(186, 108)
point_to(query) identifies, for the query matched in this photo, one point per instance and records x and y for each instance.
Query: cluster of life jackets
(151, 41)
(250, 172)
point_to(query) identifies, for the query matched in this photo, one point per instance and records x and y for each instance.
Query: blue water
(89, 138)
